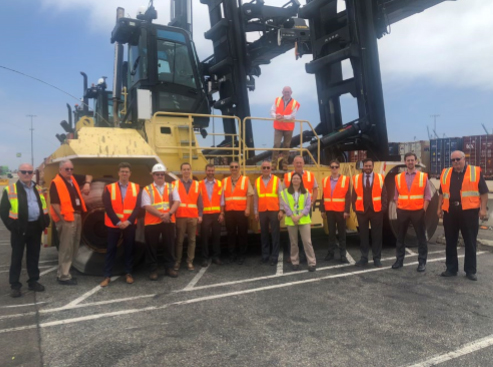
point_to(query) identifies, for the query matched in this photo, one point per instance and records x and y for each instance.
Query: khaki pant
(69, 234)
(286, 136)
(306, 238)
(185, 226)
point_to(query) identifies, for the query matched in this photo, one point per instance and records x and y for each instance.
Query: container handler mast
(163, 95)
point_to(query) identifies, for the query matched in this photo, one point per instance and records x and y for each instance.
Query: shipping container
(440, 150)
(422, 150)
(478, 151)
(393, 149)
(356, 155)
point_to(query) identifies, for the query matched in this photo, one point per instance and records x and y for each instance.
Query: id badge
(77, 201)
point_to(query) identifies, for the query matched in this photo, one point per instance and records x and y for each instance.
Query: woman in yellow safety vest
(296, 202)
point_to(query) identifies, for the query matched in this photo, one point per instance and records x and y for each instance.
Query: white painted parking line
(212, 297)
(280, 263)
(48, 261)
(48, 270)
(350, 258)
(24, 305)
(223, 284)
(410, 252)
(466, 349)
(197, 277)
(87, 294)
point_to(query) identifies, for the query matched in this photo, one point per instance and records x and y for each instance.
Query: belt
(455, 203)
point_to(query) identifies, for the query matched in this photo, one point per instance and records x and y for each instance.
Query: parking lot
(255, 315)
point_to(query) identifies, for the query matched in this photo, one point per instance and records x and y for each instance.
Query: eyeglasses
(159, 174)
(265, 167)
(234, 167)
(69, 169)
(334, 167)
(26, 172)
(455, 159)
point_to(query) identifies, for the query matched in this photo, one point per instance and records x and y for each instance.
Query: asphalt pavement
(256, 315)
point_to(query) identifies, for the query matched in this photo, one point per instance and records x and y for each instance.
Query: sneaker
(36, 287)
(312, 268)
(15, 293)
(72, 281)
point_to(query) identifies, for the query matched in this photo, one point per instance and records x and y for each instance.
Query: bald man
(283, 111)
(23, 211)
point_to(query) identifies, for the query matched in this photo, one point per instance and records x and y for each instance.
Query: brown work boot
(105, 282)
(153, 275)
(171, 273)
(190, 266)
(176, 267)
(129, 279)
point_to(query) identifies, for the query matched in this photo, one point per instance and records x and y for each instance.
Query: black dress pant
(269, 218)
(237, 228)
(31, 240)
(376, 221)
(336, 219)
(153, 233)
(417, 218)
(211, 227)
(114, 234)
(467, 222)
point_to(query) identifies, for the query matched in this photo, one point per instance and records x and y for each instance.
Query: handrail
(301, 149)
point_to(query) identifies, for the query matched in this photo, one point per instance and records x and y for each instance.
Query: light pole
(32, 129)
(435, 123)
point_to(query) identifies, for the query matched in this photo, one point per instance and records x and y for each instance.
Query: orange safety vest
(292, 105)
(413, 199)
(123, 208)
(236, 200)
(213, 205)
(336, 201)
(376, 193)
(188, 202)
(308, 181)
(268, 198)
(161, 203)
(469, 193)
(66, 208)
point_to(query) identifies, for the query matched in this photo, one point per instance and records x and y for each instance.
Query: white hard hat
(158, 168)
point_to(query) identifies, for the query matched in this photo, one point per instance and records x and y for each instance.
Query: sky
(434, 63)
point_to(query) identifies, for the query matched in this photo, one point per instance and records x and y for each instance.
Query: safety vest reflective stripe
(470, 193)
(211, 208)
(193, 206)
(234, 198)
(335, 200)
(407, 197)
(444, 177)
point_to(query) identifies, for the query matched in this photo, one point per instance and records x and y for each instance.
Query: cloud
(448, 44)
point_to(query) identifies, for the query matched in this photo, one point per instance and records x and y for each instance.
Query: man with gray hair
(23, 211)
(462, 201)
(67, 205)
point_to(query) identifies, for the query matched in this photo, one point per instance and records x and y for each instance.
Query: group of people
(173, 210)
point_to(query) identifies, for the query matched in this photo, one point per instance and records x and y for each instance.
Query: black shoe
(361, 263)
(264, 262)
(296, 267)
(344, 260)
(36, 287)
(205, 263)
(72, 281)
(377, 263)
(273, 263)
(15, 293)
(421, 268)
(217, 261)
(398, 264)
(329, 257)
(311, 268)
(448, 274)
(471, 276)
(241, 260)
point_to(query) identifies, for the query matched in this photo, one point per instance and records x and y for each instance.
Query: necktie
(367, 181)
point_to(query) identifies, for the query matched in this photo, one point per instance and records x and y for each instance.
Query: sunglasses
(159, 174)
(334, 167)
(233, 167)
(455, 159)
(265, 167)
(26, 172)
(69, 169)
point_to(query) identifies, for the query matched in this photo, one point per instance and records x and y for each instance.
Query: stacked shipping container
(421, 148)
(478, 150)
(440, 150)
